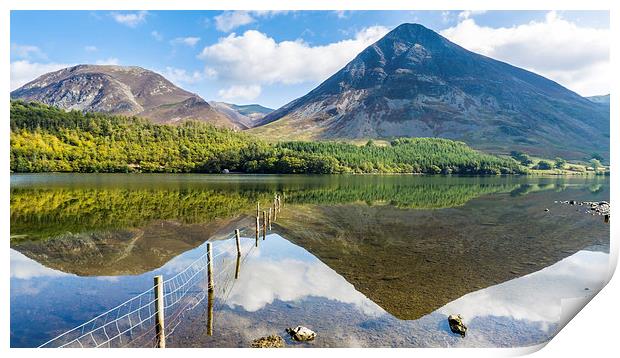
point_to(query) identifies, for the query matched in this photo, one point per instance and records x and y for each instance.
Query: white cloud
(269, 280)
(230, 20)
(26, 52)
(341, 14)
(25, 71)
(240, 92)
(157, 36)
(90, 48)
(25, 268)
(108, 61)
(446, 16)
(255, 58)
(541, 296)
(470, 13)
(188, 41)
(181, 76)
(576, 57)
(131, 19)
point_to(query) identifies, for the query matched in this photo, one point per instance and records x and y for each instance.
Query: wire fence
(133, 322)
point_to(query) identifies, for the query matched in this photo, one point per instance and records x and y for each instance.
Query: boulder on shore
(301, 333)
(457, 325)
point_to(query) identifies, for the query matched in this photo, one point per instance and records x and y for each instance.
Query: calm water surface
(370, 261)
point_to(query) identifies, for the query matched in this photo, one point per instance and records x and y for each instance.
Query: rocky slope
(414, 82)
(246, 116)
(120, 90)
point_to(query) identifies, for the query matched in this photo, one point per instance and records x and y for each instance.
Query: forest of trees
(47, 139)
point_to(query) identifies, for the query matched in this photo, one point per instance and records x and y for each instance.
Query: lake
(365, 261)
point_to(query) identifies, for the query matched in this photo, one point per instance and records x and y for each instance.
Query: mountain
(246, 116)
(120, 90)
(414, 82)
(604, 99)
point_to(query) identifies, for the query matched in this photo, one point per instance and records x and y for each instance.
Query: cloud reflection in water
(550, 296)
(280, 270)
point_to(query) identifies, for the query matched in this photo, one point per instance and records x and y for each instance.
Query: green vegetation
(46, 211)
(427, 196)
(521, 157)
(559, 166)
(544, 165)
(46, 139)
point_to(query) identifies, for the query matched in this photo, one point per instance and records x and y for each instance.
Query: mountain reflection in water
(364, 261)
(281, 284)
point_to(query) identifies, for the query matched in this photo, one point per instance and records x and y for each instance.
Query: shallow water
(363, 260)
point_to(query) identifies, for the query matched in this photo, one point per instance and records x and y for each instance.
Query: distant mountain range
(121, 90)
(413, 82)
(246, 116)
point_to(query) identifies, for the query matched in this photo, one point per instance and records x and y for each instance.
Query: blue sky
(273, 57)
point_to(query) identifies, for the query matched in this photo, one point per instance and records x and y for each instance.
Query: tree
(559, 163)
(521, 157)
(544, 165)
(434, 169)
(595, 163)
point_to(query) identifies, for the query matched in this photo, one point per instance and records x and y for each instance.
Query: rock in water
(273, 341)
(457, 325)
(301, 333)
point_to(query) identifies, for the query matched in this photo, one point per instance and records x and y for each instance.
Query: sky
(273, 57)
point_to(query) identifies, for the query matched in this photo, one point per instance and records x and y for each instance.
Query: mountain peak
(412, 31)
(413, 82)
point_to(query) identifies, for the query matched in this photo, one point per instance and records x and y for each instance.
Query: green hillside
(47, 139)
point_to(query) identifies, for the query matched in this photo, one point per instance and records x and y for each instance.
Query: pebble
(273, 341)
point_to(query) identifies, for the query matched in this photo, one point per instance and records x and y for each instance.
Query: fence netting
(132, 323)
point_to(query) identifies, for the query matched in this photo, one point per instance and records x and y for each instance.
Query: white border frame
(591, 332)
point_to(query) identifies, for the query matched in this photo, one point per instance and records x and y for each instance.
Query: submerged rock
(457, 325)
(301, 333)
(594, 207)
(273, 341)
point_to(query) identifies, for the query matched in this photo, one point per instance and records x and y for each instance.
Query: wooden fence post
(210, 313)
(269, 219)
(258, 208)
(257, 229)
(238, 266)
(237, 239)
(264, 224)
(158, 288)
(209, 267)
